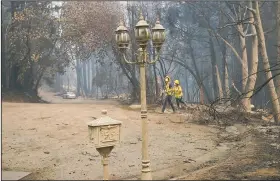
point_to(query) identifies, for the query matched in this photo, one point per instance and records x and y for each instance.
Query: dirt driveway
(51, 141)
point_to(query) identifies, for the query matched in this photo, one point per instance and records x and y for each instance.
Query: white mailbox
(105, 131)
(105, 134)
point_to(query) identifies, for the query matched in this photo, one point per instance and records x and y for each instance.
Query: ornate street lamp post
(142, 34)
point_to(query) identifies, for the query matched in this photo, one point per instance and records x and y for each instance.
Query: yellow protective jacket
(168, 89)
(178, 91)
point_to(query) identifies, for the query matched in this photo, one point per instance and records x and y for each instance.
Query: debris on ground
(135, 106)
(232, 130)
(268, 118)
(250, 145)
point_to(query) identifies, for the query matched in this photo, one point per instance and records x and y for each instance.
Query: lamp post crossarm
(156, 58)
(127, 61)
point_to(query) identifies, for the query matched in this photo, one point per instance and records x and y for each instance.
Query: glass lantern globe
(142, 32)
(158, 35)
(122, 37)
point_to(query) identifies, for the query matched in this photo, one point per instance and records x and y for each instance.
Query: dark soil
(20, 96)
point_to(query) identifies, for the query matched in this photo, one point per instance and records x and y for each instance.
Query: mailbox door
(109, 135)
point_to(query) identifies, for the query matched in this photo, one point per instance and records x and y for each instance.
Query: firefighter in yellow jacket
(169, 92)
(178, 93)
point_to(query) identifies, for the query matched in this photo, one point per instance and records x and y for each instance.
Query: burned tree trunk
(78, 73)
(219, 83)
(244, 65)
(214, 72)
(268, 74)
(278, 51)
(254, 66)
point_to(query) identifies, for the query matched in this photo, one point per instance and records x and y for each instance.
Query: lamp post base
(146, 170)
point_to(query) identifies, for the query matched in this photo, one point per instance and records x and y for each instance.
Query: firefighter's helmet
(167, 79)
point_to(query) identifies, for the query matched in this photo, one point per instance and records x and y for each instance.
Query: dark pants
(180, 100)
(168, 99)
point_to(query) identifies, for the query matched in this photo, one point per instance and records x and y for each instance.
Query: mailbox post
(105, 134)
